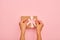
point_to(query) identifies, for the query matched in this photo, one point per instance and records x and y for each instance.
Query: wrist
(23, 32)
(38, 32)
(22, 35)
(39, 36)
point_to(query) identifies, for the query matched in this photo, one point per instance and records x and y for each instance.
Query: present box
(31, 21)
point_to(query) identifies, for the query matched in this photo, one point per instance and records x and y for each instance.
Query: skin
(23, 26)
(39, 27)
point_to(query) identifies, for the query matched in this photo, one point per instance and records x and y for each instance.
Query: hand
(39, 25)
(23, 24)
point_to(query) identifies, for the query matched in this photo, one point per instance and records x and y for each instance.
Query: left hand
(23, 24)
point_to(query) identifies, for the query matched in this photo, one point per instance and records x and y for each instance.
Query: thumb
(26, 21)
(37, 22)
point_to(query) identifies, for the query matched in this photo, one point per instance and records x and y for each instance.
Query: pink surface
(47, 10)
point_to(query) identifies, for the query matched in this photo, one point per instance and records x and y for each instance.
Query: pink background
(47, 10)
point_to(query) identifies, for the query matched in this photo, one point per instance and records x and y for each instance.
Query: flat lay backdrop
(46, 10)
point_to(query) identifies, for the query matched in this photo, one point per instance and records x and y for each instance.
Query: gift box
(31, 21)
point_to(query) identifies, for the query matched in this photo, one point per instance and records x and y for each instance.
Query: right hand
(39, 25)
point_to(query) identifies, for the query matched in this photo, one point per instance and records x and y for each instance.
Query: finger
(37, 22)
(19, 23)
(26, 21)
(41, 24)
(24, 18)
